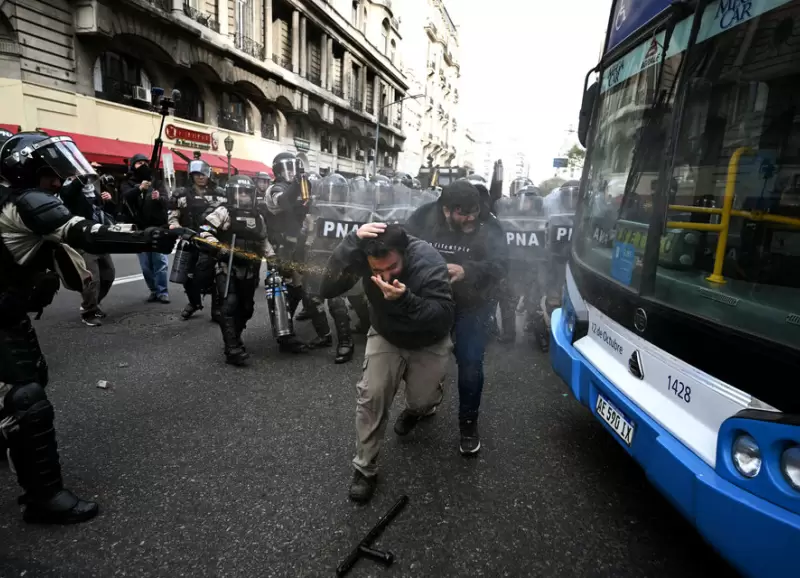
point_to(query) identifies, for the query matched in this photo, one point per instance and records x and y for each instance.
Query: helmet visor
(288, 168)
(242, 195)
(64, 158)
(199, 168)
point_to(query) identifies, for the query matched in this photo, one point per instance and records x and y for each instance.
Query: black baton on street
(364, 547)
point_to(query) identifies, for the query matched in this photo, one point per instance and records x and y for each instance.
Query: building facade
(305, 76)
(430, 58)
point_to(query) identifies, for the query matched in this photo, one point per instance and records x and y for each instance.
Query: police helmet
(241, 192)
(286, 166)
(199, 167)
(333, 189)
(517, 184)
(26, 157)
(531, 200)
(263, 180)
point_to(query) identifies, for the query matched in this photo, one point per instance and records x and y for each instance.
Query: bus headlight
(569, 312)
(746, 456)
(790, 466)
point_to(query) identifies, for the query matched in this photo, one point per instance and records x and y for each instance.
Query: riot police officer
(518, 184)
(287, 204)
(238, 226)
(189, 208)
(36, 232)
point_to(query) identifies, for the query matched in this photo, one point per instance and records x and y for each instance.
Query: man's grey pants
(385, 366)
(103, 274)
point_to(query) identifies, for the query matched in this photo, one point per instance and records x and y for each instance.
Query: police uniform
(39, 238)
(239, 225)
(189, 207)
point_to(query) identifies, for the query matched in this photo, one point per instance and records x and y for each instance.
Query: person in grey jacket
(411, 312)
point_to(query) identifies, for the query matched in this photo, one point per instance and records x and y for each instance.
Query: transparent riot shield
(559, 208)
(392, 202)
(420, 198)
(525, 226)
(336, 211)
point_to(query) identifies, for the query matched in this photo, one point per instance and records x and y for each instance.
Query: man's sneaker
(90, 319)
(99, 313)
(470, 440)
(407, 421)
(362, 487)
(163, 299)
(153, 298)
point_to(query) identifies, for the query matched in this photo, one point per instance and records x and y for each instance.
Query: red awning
(12, 128)
(105, 151)
(250, 168)
(217, 163)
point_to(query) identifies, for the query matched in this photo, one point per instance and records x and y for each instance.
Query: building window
(364, 20)
(299, 130)
(342, 148)
(325, 142)
(356, 12)
(392, 50)
(120, 78)
(191, 105)
(386, 28)
(234, 113)
(269, 124)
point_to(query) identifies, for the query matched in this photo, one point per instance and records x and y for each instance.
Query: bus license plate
(613, 417)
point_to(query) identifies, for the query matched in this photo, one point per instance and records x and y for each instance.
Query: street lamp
(378, 125)
(229, 148)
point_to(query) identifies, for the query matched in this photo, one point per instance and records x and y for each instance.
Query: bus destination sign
(630, 15)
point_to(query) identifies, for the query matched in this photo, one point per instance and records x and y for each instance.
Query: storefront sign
(630, 15)
(191, 138)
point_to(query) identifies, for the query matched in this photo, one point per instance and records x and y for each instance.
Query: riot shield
(392, 202)
(336, 211)
(559, 208)
(420, 198)
(524, 224)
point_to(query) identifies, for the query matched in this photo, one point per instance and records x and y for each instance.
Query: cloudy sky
(522, 69)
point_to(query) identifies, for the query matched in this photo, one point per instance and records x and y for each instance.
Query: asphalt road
(202, 469)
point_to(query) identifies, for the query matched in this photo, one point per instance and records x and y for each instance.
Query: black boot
(321, 341)
(291, 344)
(190, 310)
(341, 319)
(216, 309)
(34, 455)
(234, 349)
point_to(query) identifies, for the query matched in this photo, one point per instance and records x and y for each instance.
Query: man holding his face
(411, 312)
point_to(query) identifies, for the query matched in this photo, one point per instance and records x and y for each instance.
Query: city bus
(679, 325)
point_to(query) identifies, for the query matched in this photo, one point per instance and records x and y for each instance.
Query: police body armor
(192, 217)
(250, 230)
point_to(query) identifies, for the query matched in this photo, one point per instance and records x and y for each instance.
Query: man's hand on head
(370, 230)
(391, 292)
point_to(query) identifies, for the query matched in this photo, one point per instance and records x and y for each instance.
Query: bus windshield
(730, 250)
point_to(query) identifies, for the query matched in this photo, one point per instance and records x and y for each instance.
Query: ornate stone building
(306, 76)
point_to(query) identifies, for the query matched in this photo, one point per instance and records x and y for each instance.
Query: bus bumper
(757, 537)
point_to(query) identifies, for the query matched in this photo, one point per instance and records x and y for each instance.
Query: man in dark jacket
(146, 206)
(411, 310)
(477, 259)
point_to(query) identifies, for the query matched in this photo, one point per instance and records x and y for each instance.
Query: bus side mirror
(585, 117)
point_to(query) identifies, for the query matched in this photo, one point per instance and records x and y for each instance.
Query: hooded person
(144, 205)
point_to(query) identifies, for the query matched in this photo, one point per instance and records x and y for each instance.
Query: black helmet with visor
(28, 156)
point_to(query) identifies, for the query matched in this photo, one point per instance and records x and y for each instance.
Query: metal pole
(377, 132)
(229, 165)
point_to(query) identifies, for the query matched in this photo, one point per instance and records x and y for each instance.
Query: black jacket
(145, 211)
(423, 316)
(483, 254)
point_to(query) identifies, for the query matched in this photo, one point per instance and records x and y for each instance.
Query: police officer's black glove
(161, 240)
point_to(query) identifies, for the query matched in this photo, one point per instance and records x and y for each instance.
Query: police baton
(230, 267)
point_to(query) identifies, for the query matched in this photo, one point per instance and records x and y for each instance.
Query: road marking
(128, 279)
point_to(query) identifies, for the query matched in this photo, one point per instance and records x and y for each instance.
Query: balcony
(121, 92)
(235, 123)
(384, 119)
(284, 61)
(302, 144)
(370, 108)
(165, 5)
(200, 17)
(356, 104)
(398, 124)
(249, 46)
(338, 92)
